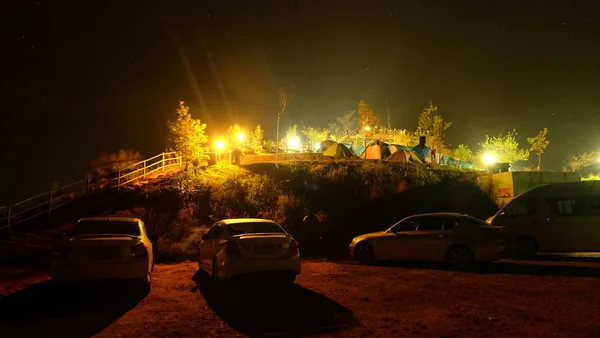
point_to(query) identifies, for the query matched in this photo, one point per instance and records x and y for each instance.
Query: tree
(233, 133)
(187, 135)
(433, 126)
(463, 153)
(538, 144)
(347, 121)
(366, 116)
(283, 102)
(257, 138)
(335, 131)
(315, 136)
(577, 162)
(504, 148)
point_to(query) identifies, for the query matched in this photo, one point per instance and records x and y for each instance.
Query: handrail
(50, 200)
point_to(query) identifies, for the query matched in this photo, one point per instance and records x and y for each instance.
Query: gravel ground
(507, 299)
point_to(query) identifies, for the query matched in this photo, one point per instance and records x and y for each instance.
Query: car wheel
(364, 254)
(526, 248)
(460, 257)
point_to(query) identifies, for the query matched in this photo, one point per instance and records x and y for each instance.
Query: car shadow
(81, 310)
(510, 267)
(260, 310)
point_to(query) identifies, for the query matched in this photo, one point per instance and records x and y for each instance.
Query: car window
(406, 225)
(450, 224)
(431, 223)
(106, 228)
(255, 228)
(522, 207)
(575, 206)
(471, 222)
(215, 232)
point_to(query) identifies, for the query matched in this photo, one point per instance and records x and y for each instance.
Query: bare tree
(283, 102)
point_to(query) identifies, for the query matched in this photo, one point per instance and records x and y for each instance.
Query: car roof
(109, 219)
(245, 220)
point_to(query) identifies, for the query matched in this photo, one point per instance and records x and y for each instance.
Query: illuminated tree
(504, 148)
(335, 131)
(233, 133)
(433, 126)
(187, 135)
(366, 116)
(538, 144)
(347, 121)
(578, 162)
(315, 135)
(463, 153)
(257, 138)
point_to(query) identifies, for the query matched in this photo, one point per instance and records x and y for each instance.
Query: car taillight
(138, 250)
(231, 248)
(62, 250)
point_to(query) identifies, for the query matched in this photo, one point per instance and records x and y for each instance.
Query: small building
(502, 187)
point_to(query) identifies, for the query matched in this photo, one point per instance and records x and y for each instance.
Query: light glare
(294, 143)
(489, 159)
(220, 144)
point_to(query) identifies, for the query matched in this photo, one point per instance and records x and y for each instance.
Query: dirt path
(542, 299)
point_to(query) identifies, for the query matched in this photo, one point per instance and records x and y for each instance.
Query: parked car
(241, 246)
(552, 218)
(104, 248)
(457, 239)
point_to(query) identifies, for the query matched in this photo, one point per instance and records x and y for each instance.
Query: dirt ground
(342, 299)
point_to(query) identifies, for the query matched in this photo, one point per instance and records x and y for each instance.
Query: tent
(376, 151)
(357, 150)
(338, 150)
(404, 156)
(325, 145)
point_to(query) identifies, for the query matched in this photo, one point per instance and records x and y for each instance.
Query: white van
(553, 218)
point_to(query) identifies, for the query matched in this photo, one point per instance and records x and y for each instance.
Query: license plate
(101, 253)
(264, 249)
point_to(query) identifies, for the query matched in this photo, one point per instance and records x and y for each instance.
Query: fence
(47, 202)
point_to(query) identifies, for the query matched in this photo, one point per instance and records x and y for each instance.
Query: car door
(574, 225)
(207, 246)
(428, 242)
(394, 246)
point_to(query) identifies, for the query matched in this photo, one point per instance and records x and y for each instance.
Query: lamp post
(220, 145)
(367, 129)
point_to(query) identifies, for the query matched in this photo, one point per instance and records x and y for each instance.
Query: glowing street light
(220, 144)
(241, 136)
(489, 159)
(367, 128)
(294, 143)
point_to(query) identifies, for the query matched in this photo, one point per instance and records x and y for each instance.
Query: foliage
(577, 162)
(538, 144)
(291, 132)
(366, 117)
(335, 131)
(232, 134)
(315, 135)
(433, 125)
(256, 138)
(504, 147)
(591, 178)
(347, 121)
(463, 153)
(112, 162)
(393, 136)
(187, 135)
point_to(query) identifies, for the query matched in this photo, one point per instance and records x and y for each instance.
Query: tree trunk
(539, 160)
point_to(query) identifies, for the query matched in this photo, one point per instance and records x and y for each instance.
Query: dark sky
(81, 78)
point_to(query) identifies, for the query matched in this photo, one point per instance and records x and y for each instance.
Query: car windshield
(473, 222)
(106, 228)
(255, 228)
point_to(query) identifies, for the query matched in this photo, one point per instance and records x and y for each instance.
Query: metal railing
(51, 200)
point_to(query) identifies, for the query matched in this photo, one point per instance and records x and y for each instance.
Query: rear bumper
(66, 271)
(240, 266)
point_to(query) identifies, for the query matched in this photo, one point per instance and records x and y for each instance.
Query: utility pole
(387, 108)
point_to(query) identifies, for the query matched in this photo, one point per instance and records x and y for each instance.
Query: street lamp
(367, 129)
(220, 145)
(241, 137)
(294, 143)
(489, 159)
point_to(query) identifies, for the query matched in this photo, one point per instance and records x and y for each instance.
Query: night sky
(81, 78)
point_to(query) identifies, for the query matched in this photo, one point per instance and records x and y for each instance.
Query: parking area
(507, 299)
